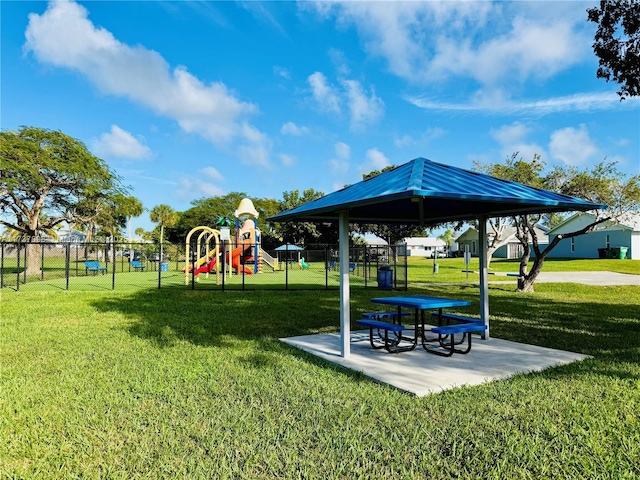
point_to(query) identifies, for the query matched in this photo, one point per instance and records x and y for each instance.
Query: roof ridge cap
(415, 180)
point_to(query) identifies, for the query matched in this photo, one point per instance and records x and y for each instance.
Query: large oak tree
(45, 175)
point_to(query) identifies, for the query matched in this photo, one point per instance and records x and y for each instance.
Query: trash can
(602, 253)
(164, 267)
(385, 277)
(622, 252)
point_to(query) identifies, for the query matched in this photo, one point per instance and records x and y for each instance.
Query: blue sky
(190, 99)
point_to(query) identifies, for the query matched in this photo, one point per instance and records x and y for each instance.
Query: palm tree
(166, 217)
(131, 207)
(447, 237)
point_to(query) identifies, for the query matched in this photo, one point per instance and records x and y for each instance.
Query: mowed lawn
(175, 383)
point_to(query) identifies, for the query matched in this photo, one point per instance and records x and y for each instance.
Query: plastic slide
(208, 268)
(202, 260)
(235, 260)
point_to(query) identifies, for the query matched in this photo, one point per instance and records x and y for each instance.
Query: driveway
(590, 278)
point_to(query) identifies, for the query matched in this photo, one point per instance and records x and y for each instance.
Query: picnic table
(443, 332)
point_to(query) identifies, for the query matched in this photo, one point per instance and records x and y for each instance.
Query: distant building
(625, 233)
(71, 236)
(510, 246)
(422, 247)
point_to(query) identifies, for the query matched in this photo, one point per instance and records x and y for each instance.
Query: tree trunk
(525, 283)
(33, 259)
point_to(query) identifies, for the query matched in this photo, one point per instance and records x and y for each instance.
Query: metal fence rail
(46, 265)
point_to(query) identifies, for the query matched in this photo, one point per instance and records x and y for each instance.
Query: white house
(72, 236)
(422, 247)
(625, 234)
(510, 246)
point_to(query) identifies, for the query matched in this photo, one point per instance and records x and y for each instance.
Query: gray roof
(427, 193)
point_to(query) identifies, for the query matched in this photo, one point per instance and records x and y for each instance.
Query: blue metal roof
(426, 192)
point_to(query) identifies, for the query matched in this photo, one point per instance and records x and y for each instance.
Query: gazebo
(289, 247)
(423, 192)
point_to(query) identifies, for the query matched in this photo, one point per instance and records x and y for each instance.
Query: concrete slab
(422, 373)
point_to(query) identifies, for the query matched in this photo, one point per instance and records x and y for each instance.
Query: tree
(602, 184)
(304, 233)
(391, 233)
(131, 207)
(45, 175)
(165, 216)
(617, 43)
(205, 211)
(448, 238)
(515, 170)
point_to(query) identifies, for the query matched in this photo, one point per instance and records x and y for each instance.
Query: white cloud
(291, 128)
(375, 160)
(501, 105)
(572, 146)
(342, 150)
(490, 42)
(403, 141)
(282, 72)
(63, 36)
(190, 188)
(212, 173)
(325, 95)
(120, 144)
(363, 109)
(509, 134)
(339, 166)
(287, 160)
(431, 134)
(513, 138)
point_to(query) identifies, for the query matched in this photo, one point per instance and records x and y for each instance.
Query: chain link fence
(48, 265)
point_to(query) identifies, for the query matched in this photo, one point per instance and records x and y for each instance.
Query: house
(510, 246)
(376, 248)
(72, 236)
(624, 233)
(422, 247)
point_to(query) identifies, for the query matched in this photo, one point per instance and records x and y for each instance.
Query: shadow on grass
(605, 330)
(215, 318)
(598, 326)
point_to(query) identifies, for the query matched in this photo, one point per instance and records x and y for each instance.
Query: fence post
(113, 262)
(24, 275)
(286, 268)
(18, 267)
(67, 261)
(160, 267)
(42, 261)
(193, 269)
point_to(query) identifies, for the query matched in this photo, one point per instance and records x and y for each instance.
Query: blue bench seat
(137, 265)
(383, 340)
(449, 331)
(94, 266)
(381, 315)
(457, 318)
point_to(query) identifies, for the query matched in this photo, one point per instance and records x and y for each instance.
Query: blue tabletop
(421, 302)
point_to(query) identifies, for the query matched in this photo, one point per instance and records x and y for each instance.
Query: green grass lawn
(175, 383)
(453, 269)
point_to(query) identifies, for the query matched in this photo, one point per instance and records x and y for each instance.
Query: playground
(226, 255)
